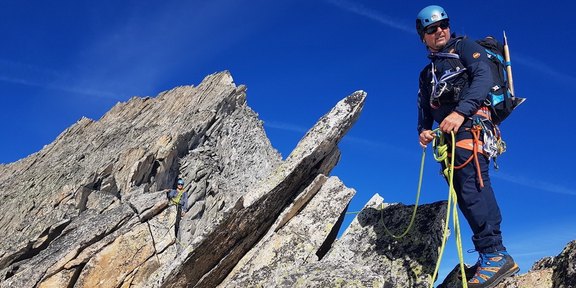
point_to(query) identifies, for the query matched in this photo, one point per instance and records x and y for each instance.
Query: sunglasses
(432, 29)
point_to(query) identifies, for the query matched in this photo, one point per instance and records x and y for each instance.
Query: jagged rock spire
(90, 208)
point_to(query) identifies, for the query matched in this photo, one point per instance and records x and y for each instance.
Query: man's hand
(452, 122)
(426, 136)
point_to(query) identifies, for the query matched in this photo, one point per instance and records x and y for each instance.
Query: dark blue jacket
(469, 89)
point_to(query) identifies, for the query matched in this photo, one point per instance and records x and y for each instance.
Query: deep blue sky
(61, 60)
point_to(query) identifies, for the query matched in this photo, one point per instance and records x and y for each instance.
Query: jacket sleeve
(425, 120)
(474, 58)
(184, 201)
(171, 193)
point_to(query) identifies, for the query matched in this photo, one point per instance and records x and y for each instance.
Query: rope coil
(441, 149)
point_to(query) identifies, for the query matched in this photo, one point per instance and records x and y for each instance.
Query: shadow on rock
(417, 251)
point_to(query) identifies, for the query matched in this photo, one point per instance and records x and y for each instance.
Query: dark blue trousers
(478, 205)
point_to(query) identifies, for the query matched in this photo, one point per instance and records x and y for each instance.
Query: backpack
(501, 99)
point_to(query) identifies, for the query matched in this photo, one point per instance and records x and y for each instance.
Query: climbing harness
(476, 146)
(491, 144)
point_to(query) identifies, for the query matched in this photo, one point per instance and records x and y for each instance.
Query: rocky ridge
(90, 208)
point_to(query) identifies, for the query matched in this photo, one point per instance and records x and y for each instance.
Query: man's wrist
(460, 113)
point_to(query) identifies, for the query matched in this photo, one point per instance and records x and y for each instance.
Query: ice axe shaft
(508, 64)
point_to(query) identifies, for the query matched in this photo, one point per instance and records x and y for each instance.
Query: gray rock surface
(298, 238)
(256, 211)
(365, 255)
(205, 134)
(90, 208)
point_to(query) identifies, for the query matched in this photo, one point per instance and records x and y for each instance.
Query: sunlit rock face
(91, 210)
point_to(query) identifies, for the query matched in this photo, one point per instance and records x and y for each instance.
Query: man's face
(437, 35)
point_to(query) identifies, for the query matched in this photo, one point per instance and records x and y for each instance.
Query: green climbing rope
(441, 154)
(415, 205)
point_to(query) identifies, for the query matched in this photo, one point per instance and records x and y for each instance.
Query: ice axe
(516, 100)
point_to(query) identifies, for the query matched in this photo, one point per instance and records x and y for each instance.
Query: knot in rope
(441, 148)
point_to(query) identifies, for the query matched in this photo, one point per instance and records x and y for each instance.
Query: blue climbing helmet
(180, 182)
(428, 16)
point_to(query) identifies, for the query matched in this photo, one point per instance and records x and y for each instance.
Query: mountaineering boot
(492, 269)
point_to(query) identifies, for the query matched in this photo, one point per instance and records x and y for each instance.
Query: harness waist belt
(468, 144)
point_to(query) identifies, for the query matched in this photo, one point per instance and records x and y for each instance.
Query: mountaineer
(452, 92)
(178, 197)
